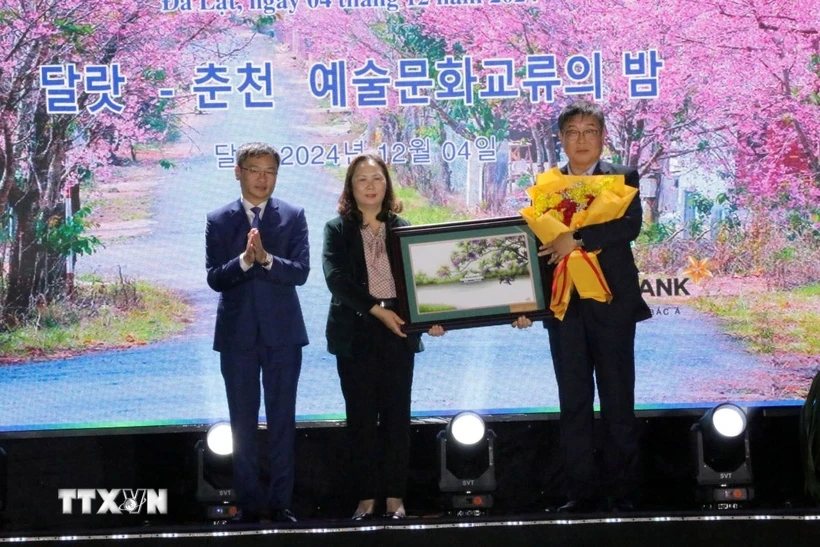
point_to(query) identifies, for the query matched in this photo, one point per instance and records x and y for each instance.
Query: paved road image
(681, 357)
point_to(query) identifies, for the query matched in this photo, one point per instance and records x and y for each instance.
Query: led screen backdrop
(119, 122)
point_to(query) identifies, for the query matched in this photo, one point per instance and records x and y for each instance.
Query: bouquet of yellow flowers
(563, 203)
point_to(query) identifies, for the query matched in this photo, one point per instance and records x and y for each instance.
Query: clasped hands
(254, 251)
(394, 322)
(557, 250)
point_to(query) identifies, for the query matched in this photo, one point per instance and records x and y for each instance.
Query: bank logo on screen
(117, 501)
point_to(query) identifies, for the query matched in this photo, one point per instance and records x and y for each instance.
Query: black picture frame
(467, 274)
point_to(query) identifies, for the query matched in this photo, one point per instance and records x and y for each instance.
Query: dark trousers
(280, 368)
(376, 385)
(588, 340)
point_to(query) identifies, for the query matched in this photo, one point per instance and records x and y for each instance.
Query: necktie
(255, 221)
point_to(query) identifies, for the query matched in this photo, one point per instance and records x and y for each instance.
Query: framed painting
(467, 274)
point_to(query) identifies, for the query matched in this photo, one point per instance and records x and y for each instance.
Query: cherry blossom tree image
(120, 120)
(44, 155)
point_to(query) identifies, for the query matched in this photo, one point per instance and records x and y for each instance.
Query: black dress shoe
(395, 515)
(583, 505)
(618, 504)
(284, 515)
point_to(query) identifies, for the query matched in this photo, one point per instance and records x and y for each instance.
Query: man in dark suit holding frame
(596, 340)
(257, 253)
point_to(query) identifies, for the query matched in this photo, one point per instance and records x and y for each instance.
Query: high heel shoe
(395, 515)
(362, 515)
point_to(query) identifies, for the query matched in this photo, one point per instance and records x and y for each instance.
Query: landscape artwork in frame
(467, 274)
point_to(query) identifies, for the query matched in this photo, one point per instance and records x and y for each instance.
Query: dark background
(527, 467)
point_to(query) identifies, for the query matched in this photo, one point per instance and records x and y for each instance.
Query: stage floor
(738, 527)
(528, 474)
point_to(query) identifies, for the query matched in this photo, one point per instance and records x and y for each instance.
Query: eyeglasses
(255, 171)
(574, 134)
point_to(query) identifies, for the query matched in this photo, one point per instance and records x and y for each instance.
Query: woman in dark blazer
(373, 356)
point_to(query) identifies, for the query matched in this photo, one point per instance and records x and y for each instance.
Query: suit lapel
(270, 219)
(238, 226)
(237, 210)
(603, 168)
(353, 236)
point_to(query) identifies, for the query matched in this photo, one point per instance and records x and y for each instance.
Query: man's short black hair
(580, 108)
(256, 149)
